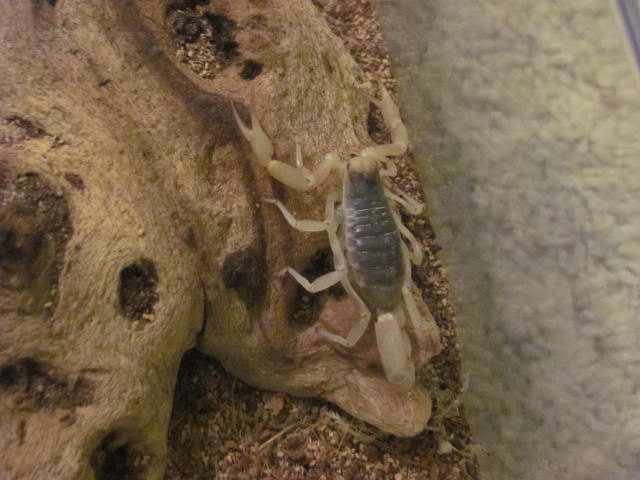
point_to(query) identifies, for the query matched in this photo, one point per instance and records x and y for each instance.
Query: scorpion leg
(411, 205)
(329, 224)
(329, 279)
(415, 255)
(360, 326)
(356, 332)
(418, 322)
(302, 225)
(390, 169)
(399, 135)
(321, 283)
(340, 264)
(298, 177)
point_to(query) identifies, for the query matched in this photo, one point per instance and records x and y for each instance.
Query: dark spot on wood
(328, 63)
(117, 457)
(30, 129)
(22, 432)
(186, 26)
(188, 23)
(187, 4)
(207, 313)
(251, 69)
(308, 305)
(212, 109)
(244, 272)
(75, 180)
(208, 307)
(34, 230)
(190, 238)
(223, 27)
(36, 386)
(68, 419)
(137, 289)
(223, 36)
(39, 3)
(374, 126)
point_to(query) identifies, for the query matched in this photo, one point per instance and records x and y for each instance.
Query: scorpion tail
(395, 352)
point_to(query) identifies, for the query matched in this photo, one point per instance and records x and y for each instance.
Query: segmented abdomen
(372, 244)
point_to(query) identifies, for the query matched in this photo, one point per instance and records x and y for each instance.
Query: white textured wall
(526, 117)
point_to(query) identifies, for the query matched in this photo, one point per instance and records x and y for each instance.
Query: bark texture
(131, 220)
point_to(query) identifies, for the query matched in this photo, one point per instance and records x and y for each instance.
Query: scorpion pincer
(371, 252)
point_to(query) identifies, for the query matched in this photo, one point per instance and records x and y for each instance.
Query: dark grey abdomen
(372, 244)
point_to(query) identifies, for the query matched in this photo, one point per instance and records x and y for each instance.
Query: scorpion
(364, 232)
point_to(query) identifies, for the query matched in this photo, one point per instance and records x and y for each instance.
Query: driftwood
(132, 226)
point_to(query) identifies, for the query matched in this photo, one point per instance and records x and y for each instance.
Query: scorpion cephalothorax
(372, 262)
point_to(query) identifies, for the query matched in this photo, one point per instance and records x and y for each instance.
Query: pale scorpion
(377, 260)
